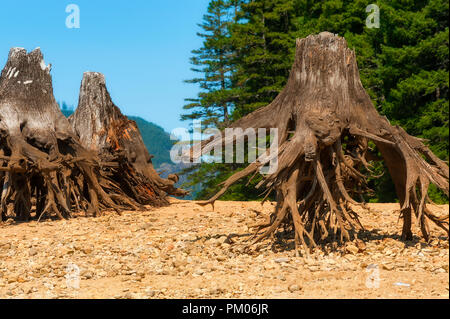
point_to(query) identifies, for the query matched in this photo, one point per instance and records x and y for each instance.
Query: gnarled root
(325, 121)
(36, 187)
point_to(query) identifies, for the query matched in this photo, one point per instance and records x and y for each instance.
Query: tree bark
(325, 120)
(103, 129)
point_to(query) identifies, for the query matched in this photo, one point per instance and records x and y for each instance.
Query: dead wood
(45, 170)
(325, 120)
(117, 140)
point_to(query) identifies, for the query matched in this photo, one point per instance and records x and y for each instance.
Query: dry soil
(188, 251)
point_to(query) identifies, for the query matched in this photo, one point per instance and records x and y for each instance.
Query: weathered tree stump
(44, 167)
(326, 120)
(103, 129)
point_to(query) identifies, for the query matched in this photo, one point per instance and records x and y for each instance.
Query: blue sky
(142, 47)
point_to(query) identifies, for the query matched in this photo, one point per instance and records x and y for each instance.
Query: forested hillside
(248, 49)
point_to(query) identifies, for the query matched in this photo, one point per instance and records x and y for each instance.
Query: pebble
(199, 272)
(361, 245)
(352, 249)
(130, 295)
(281, 260)
(87, 274)
(215, 291)
(440, 271)
(294, 288)
(281, 277)
(221, 258)
(388, 267)
(33, 252)
(133, 251)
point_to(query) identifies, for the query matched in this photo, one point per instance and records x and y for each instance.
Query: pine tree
(263, 39)
(215, 63)
(212, 61)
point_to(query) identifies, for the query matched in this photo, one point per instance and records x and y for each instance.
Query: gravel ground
(188, 251)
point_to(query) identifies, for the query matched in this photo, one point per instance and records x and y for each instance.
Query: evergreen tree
(264, 41)
(212, 61)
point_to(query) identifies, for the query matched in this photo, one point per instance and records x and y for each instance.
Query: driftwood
(44, 167)
(325, 120)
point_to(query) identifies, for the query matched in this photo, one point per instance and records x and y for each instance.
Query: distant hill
(155, 138)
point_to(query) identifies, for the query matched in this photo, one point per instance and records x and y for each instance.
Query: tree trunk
(325, 120)
(44, 168)
(102, 128)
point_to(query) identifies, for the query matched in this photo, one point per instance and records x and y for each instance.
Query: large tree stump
(103, 129)
(326, 120)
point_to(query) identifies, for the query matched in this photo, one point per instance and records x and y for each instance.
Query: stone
(361, 245)
(440, 271)
(387, 266)
(33, 252)
(150, 292)
(294, 288)
(281, 277)
(199, 272)
(87, 250)
(352, 249)
(215, 291)
(130, 295)
(281, 260)
(87, 274)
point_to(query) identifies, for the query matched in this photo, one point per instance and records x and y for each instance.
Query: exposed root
(325, 121)
(45, 168)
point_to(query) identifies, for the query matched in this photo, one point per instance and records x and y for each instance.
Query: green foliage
(264, 42)
(404, 66)
(214, 62)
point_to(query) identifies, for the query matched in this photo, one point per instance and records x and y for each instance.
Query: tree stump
(44, 167)
(102, 128)
(325, 120)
